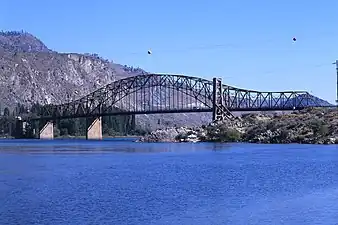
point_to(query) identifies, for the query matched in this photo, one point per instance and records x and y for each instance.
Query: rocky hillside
(310, 126)
(14, 41)
(30, 72)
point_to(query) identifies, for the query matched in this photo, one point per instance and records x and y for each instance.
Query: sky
(246, 43)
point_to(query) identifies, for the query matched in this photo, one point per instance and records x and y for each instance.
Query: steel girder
(236, 99)
(178, 92)
(163, 93)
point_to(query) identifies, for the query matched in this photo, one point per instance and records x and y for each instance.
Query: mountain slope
(30, 73)
(14, 41)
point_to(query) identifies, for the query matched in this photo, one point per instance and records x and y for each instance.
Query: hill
(300, 99)
(15, 41)
(318, 101)
(30, 72)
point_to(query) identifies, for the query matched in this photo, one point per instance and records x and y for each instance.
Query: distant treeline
(111, 125)
(125, 67)
(12, 33)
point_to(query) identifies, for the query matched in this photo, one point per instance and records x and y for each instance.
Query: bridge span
(166, 93)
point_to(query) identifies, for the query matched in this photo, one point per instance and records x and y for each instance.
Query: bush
(180, 136)
(318, 127)
(63, 131)
(283, 134)
(56, 132)
(224, 134)
(323, 130)
(271, 126)
(292, 125)
(254, 131)
(230, 135)
(299, 139)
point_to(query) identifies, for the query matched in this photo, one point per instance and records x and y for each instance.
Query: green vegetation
(222, 134)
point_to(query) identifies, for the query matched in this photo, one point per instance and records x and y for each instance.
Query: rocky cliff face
(30, 72)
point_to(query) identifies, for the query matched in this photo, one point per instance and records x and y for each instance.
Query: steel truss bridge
(164, 93)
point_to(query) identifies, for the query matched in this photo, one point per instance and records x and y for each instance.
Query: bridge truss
(162, 93)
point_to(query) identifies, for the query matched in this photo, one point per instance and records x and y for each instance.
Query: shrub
(230, 135)
(225, 135)
(180, 136)
(254, 131)
(318, 127)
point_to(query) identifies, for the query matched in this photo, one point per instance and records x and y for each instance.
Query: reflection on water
(109, 145)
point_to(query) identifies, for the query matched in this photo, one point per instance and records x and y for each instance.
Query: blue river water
(122, 182)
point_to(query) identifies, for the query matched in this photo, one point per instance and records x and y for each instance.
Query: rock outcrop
(179, 134)
(310, 126)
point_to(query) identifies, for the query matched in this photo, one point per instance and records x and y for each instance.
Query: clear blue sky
(257, 51)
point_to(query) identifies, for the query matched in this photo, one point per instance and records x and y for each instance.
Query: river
(122, 182)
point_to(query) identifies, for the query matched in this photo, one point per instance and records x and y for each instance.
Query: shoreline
(104, 136)
(309, 126)
(75, 137)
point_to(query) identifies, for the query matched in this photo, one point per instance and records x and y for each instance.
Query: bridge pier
(94, 128)
(47, 131)
(220, 111)
(217, 99)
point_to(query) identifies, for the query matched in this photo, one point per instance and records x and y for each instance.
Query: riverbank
(104, 136)
(310, 126)
(6, 137)
(77, 137)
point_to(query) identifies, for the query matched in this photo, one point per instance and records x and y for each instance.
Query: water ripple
(200, 183)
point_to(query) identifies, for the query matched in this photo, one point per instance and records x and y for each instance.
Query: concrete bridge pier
(47, 130)
(94, 128)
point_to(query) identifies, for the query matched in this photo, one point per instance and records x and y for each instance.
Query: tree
(6, 112)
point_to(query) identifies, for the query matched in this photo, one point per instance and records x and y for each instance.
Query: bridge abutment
(47, 131)
(94, 128)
